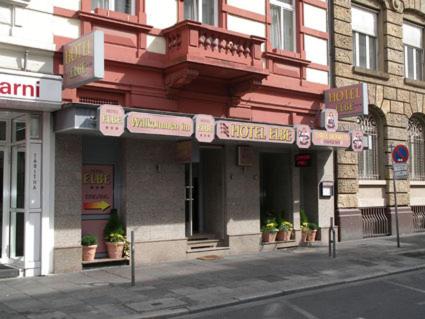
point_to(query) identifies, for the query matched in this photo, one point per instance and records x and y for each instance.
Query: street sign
(401, 171)
(400, 154)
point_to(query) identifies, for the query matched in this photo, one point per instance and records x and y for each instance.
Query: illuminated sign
(204, 128)
(349, 100)
(83, 60)
(111, 120)
(252, 132)
(302, 160)
(332, 139)
(158, 124)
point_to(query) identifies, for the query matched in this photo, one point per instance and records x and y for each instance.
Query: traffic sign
(401, 171)
(400, 154)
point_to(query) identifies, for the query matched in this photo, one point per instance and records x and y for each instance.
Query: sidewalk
(190, 286)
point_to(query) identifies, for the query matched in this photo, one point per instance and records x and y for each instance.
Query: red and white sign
(111, 120)
(254, 132)
(331, 139)
(30, 88)
(400, 154)
(204, 128)
(158, 124)
(97, 188)
(357, 144)
(329, 120)
(303, 136)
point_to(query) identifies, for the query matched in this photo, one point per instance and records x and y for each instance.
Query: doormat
(210, 257)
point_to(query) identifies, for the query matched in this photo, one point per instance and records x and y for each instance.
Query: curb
(172, 313)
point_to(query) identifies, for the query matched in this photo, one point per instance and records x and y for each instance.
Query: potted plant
(312, 232)
(114, 236)
(304, 226)
(269, 231)
(89, 243)
(285, 231)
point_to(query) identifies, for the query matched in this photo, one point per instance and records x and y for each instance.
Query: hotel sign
(303, 136)
(329, 120)
(111, 120)
(253, 132)
(83, 60)
(204, 128)
(331, 139)
(348, 101)
(158, 124)
(357, 144)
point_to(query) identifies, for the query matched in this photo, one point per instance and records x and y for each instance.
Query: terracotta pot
(269, 237)
(312, 235)
(304, 234)
(283, 235)
(115, 250)
(89, 252)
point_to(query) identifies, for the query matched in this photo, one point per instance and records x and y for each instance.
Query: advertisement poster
(98, 189)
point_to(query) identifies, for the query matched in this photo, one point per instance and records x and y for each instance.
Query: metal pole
(332, 239)
(396, 209)
(133, 279)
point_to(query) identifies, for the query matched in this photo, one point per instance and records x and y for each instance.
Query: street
(394, 297)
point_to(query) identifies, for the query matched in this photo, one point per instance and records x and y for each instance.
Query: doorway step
(199, 245)
(278, 245)
(7, 272)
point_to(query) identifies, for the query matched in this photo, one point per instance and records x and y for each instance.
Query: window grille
(375, 222)
(369, 159)
(97, 100)
(418, 218)
(417, 149)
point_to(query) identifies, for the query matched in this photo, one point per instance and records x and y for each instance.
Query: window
(283, 24)
(205, 11)
(365, 49)
(125, 6)
(369, 159)
(417, 149)
(413, 52)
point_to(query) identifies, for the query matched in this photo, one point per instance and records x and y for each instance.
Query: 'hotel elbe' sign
(348, 100)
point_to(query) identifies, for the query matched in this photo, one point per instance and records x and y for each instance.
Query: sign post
(400, 155)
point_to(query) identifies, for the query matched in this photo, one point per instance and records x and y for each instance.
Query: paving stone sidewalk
(169, 289)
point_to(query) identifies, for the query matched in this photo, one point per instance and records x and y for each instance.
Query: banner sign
(329, 120)
(97, 188)
(253, 132)
(303, 136)
(348, 101)
(357, 144)
(83, 60)
(111, 120)
(158, 124)
(204, 128)
(331, 139)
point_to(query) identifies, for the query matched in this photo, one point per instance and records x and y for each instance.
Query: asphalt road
(394, 297)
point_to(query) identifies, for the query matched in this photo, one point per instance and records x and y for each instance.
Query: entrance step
(201, 236)
(202, 244)
(208, 252)
(8, 272)
(278, 245)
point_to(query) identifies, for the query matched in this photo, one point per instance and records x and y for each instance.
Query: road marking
(406, 286)
(301, 311)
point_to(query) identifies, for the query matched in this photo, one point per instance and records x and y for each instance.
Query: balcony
(198, 50)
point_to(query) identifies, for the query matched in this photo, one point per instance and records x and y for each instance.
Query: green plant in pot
(285, 231)
(312, 231)
(269, 231)
(89, 243)
(114, 236)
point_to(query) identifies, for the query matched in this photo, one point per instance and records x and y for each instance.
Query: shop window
(369, 160)
(417, 149)
(413, 52)
(283, 24)
(365, 37)
(124, 6)
(205, 11)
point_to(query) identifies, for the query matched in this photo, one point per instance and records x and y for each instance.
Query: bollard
(133, 280)
(332, 240)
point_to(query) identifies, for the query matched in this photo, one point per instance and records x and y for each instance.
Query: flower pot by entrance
(89, 252)
(269, 237)
(115, 250)
(283, 235)
(312, 235)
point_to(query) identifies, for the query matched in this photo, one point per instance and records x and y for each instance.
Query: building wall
(396, 98)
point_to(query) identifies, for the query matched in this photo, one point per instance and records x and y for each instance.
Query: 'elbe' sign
(348, 100)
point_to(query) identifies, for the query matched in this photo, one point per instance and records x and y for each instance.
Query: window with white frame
(365, 35)
(413, 52)
(283, 24)
(369, 160)
(125, 6)
(205, 11)
(417, 149)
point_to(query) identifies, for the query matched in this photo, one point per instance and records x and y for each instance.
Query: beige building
(381, 43)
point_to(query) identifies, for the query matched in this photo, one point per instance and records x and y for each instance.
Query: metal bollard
(133, 277)
(332, 240)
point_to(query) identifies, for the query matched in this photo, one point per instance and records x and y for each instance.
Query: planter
(283, 235)
(89, 252)
(269, 237)
(312, 235)
(304, 234)
(115, 250)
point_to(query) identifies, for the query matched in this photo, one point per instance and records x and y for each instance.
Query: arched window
(369, 160)
(417, 148)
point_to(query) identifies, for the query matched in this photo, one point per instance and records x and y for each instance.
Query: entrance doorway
(205, 195)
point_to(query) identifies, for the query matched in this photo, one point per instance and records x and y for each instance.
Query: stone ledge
(415, 83)
(372, 73)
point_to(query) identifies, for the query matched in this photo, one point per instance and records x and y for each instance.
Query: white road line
(406, 286)
(303, 312)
